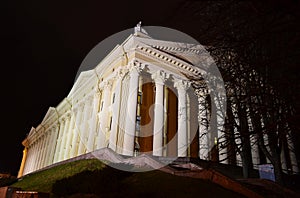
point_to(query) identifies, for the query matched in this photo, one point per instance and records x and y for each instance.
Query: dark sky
(43, 45)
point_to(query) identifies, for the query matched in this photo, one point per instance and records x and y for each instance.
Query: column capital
(62, 119)
(106, 84)
(78, 106)
(182, 84)
(120, 73)
(160, 76)
(137, 67)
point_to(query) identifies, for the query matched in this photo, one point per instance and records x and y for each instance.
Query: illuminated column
(75, 141)
(83, 127)
(103, 120)
(32, 154)
(41, 144)
(93, 121)
(159, 78)
(254, 151)
(54, 136)
(58, 142)
(36, 154)
(27, 161)
(182, 86)
(69, 136)
(49, 149)
(21, 171)
(128, 143)
(220, 120)
(45, 151)
(115, 111)
(34, 157)
(64, 137)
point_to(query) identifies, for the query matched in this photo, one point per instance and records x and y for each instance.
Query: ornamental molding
(168, 59)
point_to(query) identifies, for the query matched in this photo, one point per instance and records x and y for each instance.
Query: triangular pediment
(32, 131)
(49, 113)
(82, 78)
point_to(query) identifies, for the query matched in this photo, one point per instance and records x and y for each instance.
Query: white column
(69, 136)
(64, 138)
(32, 155)
(54, 135)
(50, 148)
(58, 142)
(84, 127)
(46, 149)
(159, 78)
(39, 153)
(130, 123)
(93, 121)
(182, 86)
(46, 155)
(116, 111)
(75, 142)
(103, 120)
(254, 151)
(35, 155)
(220, 120)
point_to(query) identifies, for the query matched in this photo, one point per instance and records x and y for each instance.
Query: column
(182, 86)
(64, 137)
(34, 157)
(254, 151)
(103, 120)
(75, 142)
(93, 121)
(31, 150)
(23, 162)
(45, 151)
(130, 123)
(54, 134)
(48, 150)
(26, 166)
(203, 125)
(37, 166)
(84, 127)
(219, 101)
(58, 142)
(115, 111)
(69, 137)
(42, 151)
(159, 78)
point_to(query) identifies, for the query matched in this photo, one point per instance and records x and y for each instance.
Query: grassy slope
(42, 181)
(143, 184)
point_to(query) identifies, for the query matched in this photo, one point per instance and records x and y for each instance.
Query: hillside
(91, 178)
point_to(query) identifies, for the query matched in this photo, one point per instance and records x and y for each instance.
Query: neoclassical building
(138, 99)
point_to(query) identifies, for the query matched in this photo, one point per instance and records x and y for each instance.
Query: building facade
(138, 99)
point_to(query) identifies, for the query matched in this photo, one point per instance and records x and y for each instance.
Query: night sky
(43, 45)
